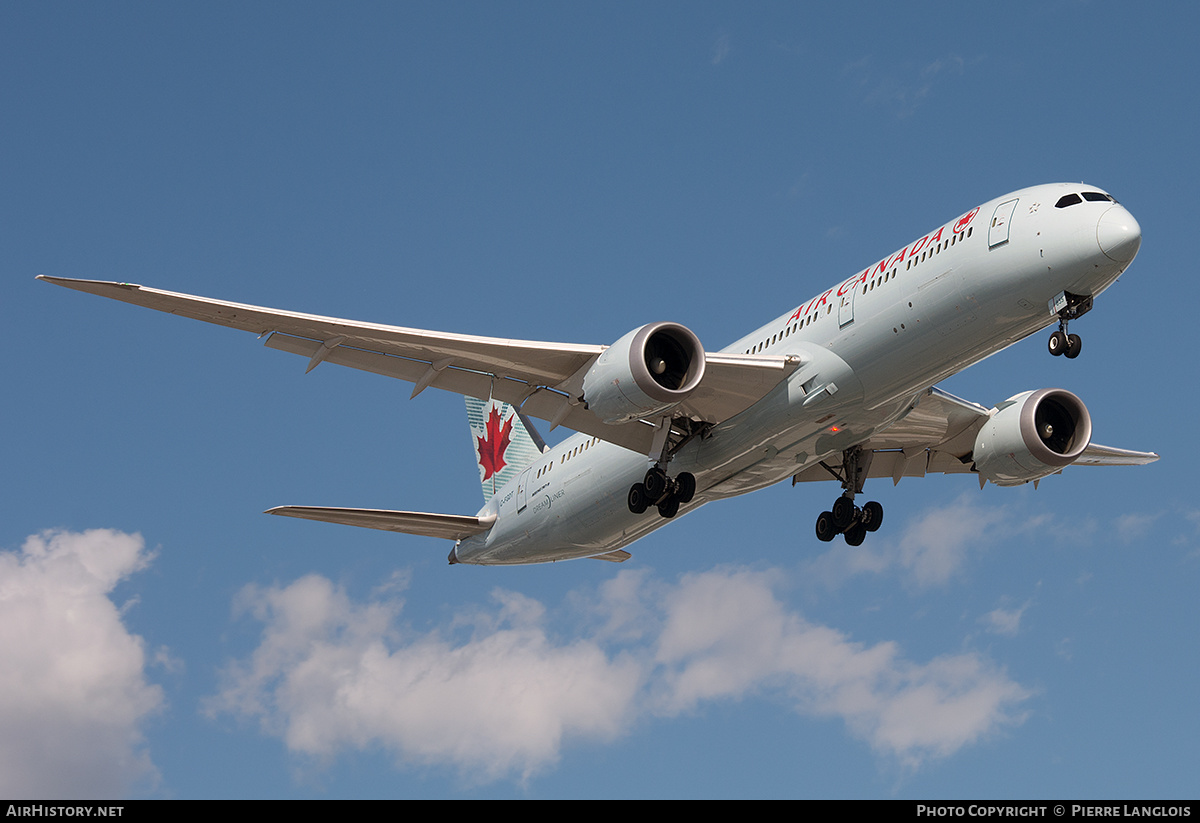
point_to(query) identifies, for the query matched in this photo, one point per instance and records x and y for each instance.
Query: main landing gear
(1068, 307)
(849, 520)
(658, 488)
(845, 518)
(667, 493)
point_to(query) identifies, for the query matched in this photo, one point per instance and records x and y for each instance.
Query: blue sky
(568, 172)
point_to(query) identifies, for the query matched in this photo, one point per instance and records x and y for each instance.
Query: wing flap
(734, 382)
(898, 464)
(447, 526)
(935, 419)
(543, 403)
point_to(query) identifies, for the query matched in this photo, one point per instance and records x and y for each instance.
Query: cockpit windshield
(1091, 196)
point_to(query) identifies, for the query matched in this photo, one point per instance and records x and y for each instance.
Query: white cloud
(332, 674)
(902, 87)
(73, 690)
(505, 696)
(720, 50)
(728, 635)
(1133, 527)
(1005, 622)
(933, 548)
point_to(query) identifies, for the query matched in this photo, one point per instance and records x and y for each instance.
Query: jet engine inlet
(1032, 435)
(645, 374)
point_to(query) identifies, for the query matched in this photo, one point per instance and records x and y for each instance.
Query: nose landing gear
(1068, 307)
(1063, 343)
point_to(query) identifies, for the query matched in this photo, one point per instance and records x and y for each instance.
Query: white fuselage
(871, 343)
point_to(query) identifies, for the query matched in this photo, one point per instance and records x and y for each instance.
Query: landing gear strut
(844, 517)
(658, 488)
(1068, 307)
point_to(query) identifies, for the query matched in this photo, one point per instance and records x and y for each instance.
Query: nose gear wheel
(1073, 306)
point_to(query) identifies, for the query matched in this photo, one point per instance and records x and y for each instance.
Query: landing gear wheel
(656, 484)
(825, 527)
(1058, 343)
(872, 516)
(669, 507)
(1074, 346)
(638, 500)
(685, 487)
(843, 513)
(856, 534)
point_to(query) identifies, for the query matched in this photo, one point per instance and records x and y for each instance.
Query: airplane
(841, 387)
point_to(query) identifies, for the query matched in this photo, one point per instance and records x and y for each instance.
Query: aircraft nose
(1118, 234)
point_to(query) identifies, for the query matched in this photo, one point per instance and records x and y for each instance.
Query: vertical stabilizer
(503, 446)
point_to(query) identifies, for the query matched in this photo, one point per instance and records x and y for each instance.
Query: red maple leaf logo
(966, 219)
(494, 444)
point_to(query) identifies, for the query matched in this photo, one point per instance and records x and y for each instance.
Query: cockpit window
(1068, 200)
(1097, 197)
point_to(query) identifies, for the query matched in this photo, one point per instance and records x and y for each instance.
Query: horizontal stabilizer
(448, 526)
(619, 556)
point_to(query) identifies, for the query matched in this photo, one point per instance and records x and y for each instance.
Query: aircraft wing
(1097, 455)
(938, 436)
(542, 379)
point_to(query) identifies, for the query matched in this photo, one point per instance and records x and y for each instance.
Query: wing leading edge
(542, 379)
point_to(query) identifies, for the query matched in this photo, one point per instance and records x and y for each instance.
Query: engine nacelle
(1032, 435)
(645, 374)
